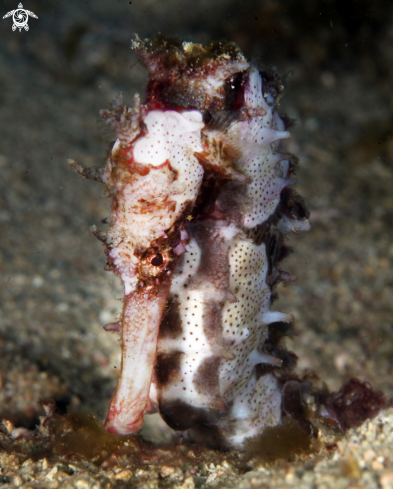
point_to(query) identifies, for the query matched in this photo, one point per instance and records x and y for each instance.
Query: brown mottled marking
(180, 415)
(167, 368)
(212, 324)
(214, 268)
(292, 204)
(171, 326)
(206, 378)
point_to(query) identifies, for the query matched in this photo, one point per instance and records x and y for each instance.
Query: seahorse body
(202, 198)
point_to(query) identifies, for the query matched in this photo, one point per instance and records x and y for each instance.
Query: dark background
(55, 295)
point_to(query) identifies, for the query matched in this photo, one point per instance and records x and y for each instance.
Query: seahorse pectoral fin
(142, 314)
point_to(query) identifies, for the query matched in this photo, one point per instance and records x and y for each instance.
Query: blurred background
(55, 296)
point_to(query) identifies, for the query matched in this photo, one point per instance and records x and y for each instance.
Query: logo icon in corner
(20, 16)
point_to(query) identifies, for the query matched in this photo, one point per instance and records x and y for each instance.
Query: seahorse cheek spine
(199, 211)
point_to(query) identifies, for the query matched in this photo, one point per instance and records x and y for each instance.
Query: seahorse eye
(158, 260)
(154, 263)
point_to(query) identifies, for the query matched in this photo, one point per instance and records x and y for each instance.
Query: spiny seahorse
(202, 198)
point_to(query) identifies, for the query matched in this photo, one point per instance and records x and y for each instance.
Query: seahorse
(202, 198)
